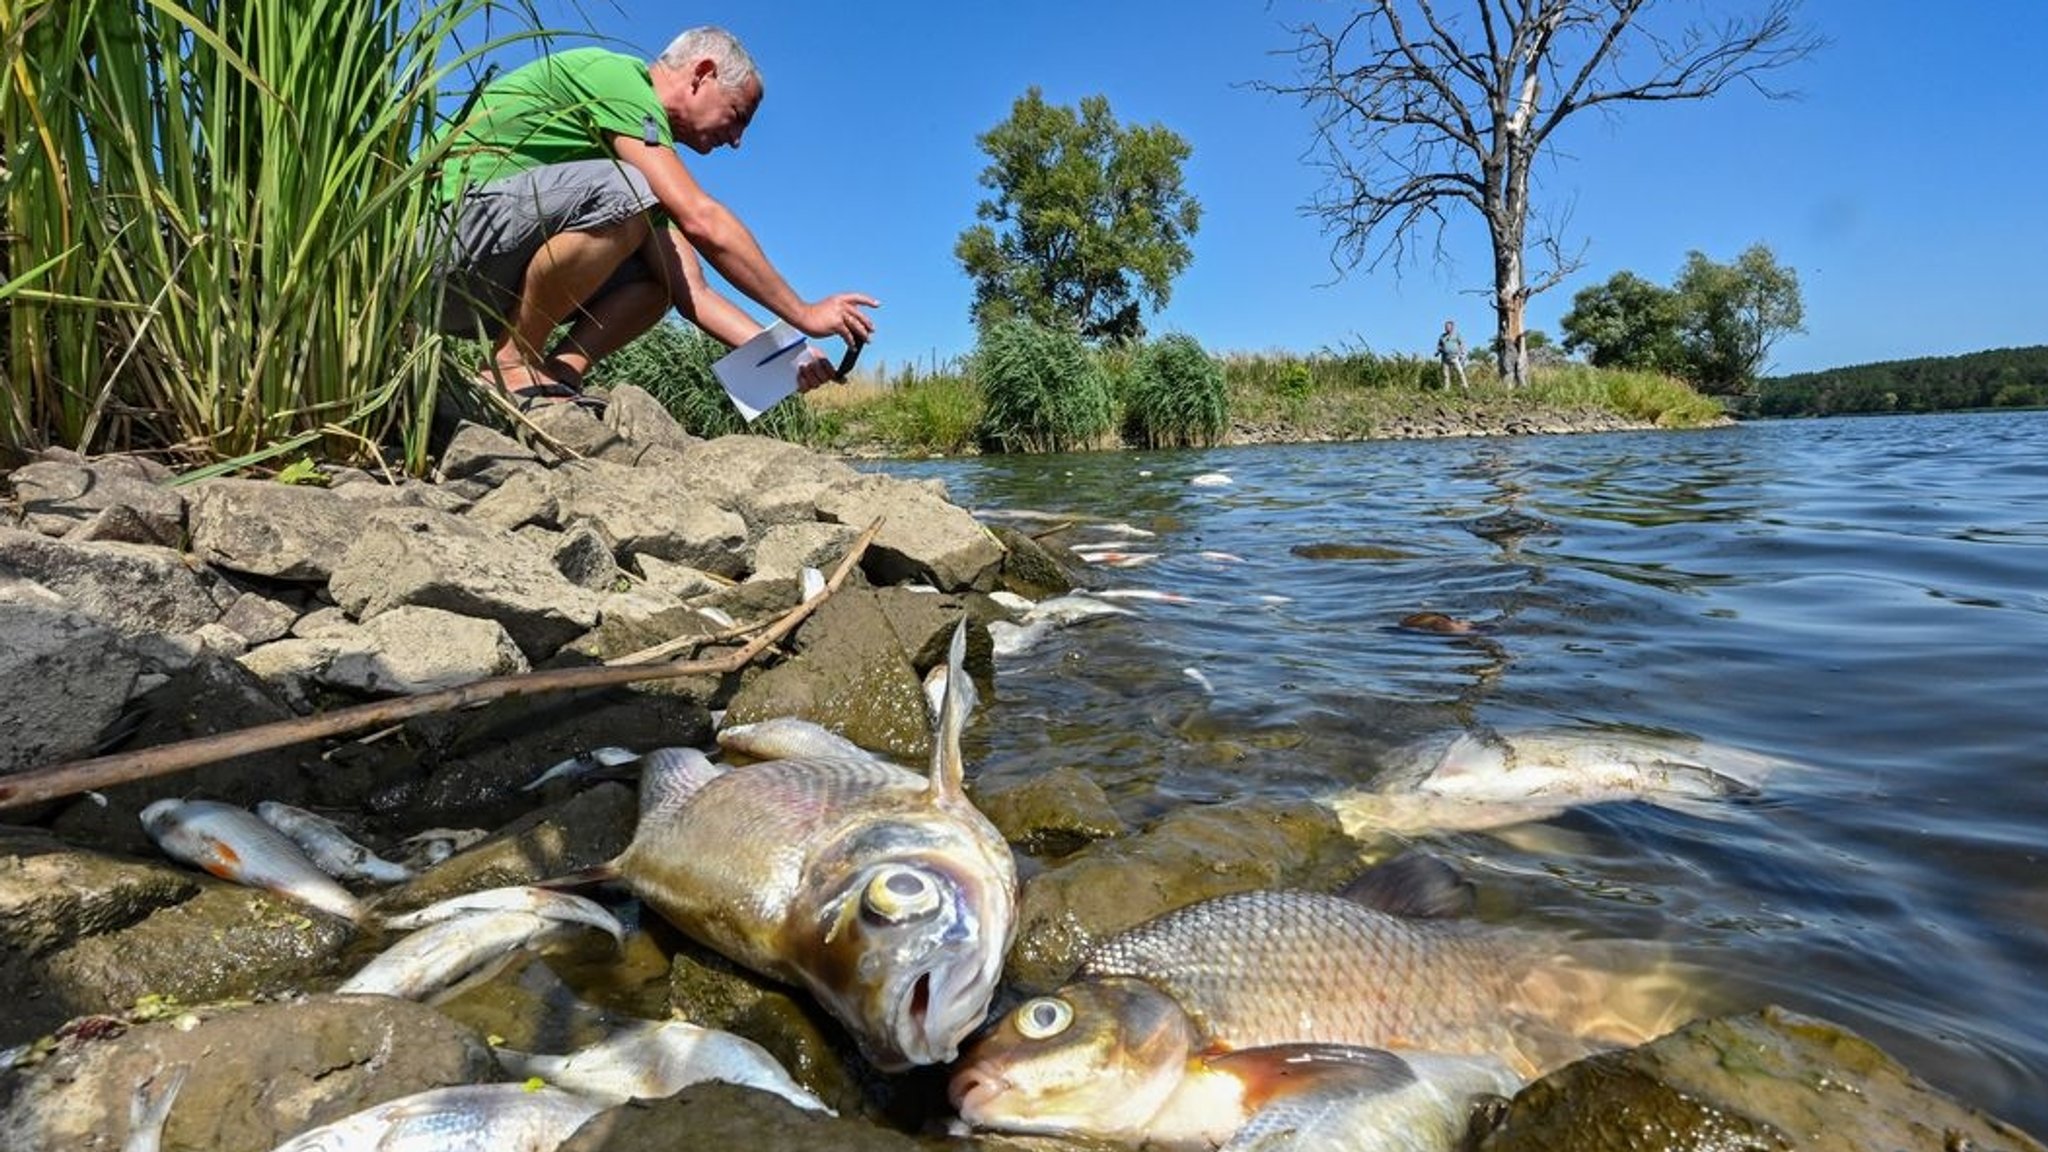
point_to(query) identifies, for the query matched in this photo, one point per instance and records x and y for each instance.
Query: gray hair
(735, 66)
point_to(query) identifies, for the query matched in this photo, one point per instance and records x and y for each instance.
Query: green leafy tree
(1733, 314)
(1627, 322)
(1088, 219)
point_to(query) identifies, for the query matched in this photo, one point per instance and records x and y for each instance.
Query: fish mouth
(972, 1088)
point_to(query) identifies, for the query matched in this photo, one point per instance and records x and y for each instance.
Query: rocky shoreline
(135, 614)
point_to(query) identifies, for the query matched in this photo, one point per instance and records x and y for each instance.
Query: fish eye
(1044, 1018)
(899, 894)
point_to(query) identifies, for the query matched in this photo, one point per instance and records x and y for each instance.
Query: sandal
(538, 395)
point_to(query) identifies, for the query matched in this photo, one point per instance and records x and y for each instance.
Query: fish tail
(150, 1108)
(949, 766)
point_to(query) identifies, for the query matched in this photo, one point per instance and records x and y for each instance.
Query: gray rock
(484, 454)
(256, 1074)
(583, 554)
(134, 589)
(259, 619)
(280, 531)
(1055, 814)
(58, 498)
(636, 415)
(678, 580)
(923, 538)
(67, 678)
(653, 519)
(413, 649)
(525, 498)
(437, 560)
(784, 550)
(767, 481)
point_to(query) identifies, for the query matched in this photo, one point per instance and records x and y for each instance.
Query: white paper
(762, 371)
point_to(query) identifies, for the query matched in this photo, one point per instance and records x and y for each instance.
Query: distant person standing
(1450, 354)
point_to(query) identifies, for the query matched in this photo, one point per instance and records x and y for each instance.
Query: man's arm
(713, 230)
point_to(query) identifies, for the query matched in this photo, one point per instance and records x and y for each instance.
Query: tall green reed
(1042, 390)
(223, 201)
(1175, 396)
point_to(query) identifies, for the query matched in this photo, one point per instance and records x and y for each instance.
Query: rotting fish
(445, 951)
(231, 843)
(1261, 968)
(328, 846)
(787, 738)
(1119, 1060)
(652, 1060)
(546, 902)
(1072, 608)
(1008, 639)
(583, 764)
(434, 845)
(1469, 782)
(886, 894)
(465, 1118)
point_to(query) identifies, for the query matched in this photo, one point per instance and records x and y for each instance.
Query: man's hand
(839, 316)
(815, 371)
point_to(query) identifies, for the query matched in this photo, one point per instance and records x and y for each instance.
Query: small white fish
(1116, 558)
(811, 584)
(438, 955)
(788, 738)
(465, 1118)
(231, 843)
(150, 1109)
(1152, 594)
(935, 692)
(584, 763)
(1210, 480)
(1016, 639)
(1221, 557)
(1122, 531)
(649, 1060)
(1201, 680)
(547, 902)
(1072, 609)
(328, 847)
(1271, 598)
(718, 616)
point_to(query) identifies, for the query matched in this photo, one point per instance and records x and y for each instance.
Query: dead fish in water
(884, 893)
(437, 844)
(1467, 782)
(150, 1109)
(465, 1118)
(1009, 639)
(1119, 1060)
(583, 764)
(1210, 480)
(231, 843)
(650, 1060)
(447, 950)
(1072, 608)
(1153, 594)
(328, 847)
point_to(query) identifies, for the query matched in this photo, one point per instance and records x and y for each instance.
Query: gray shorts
(497, 228)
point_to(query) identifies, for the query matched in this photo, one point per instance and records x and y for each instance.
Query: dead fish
(935, 682)
(583, 764)
(150, 1109)
(465, 1118)
(1210, 480)
(1282, 967)
(810, 584)
(1117, 559)
(436, 956)
(1153, 594)
(787, 738)
(1215, 557)
(1467, 782)
(650, 1060)
(437, 844)
(1119, 1060)
(884, 893)
(566, 907)
(1072, 608)
(328, 847)
(1008, 639)
(233, 844)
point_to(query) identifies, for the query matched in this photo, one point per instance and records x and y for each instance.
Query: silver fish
(787, 738)
(328, 846)
(233, 844)
(1073, 608)
(566, 907)
(650, 1060)
(437, 844)
(1468, 782)
(886, 894)
(465, 1118)
(1016, 639)
(582, 764)
(445, 951)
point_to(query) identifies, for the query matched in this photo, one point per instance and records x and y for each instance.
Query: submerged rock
(1773, 1080)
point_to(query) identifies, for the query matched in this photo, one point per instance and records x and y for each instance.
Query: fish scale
(1275, 967)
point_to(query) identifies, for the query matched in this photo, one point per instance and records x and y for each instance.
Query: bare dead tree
(1426, 107)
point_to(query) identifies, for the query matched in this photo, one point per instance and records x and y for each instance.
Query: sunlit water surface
(1866, 597)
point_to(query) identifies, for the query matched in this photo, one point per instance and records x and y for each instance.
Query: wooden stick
(86, 775)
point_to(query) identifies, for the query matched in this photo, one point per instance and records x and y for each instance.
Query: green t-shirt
(560, 107)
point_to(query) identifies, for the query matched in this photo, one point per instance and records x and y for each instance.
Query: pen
(779, 352)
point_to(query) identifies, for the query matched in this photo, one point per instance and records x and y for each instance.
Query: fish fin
(949, 767)
(150, 1108)
(1298, 1071)
(1416, 885)
(669, 779)
(605, 873)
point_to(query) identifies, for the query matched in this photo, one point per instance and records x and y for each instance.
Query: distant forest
(2000, 378)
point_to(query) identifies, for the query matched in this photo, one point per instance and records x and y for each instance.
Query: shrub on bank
(1041, 389)
(672, 362)
(1175, 396)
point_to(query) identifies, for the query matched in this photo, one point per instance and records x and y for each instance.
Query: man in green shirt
(568, 203)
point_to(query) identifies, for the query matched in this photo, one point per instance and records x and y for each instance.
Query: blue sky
(1906, 186)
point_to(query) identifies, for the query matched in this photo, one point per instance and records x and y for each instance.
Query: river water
(1867, 598)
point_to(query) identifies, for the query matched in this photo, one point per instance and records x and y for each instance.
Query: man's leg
(568, 269)
(1444, 367)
